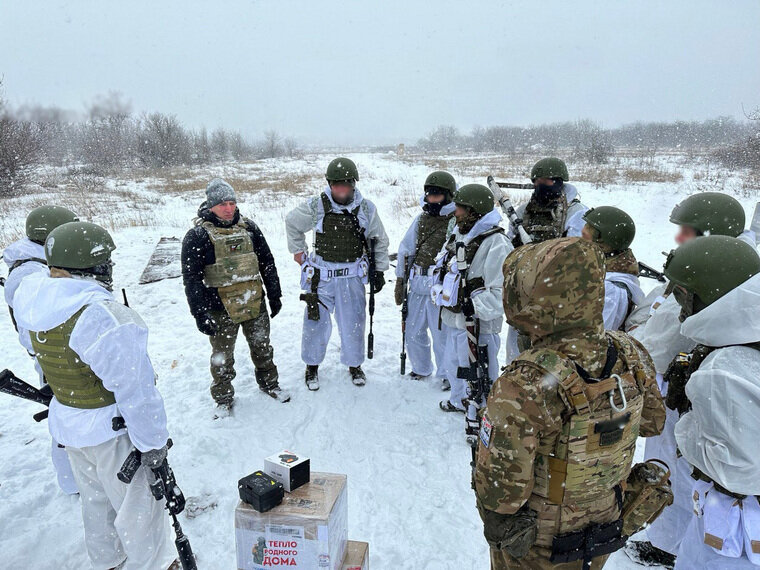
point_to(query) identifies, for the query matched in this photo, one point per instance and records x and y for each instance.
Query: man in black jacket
(226, 264)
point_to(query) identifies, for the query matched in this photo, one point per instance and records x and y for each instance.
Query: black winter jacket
(198, 252)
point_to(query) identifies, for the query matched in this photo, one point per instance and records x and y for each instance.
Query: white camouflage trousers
(345, 297)
(122, 523)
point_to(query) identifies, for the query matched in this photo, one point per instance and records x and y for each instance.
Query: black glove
(275, 304)
(206, 324)
(378, 281)
(676, 377)
(468, 309)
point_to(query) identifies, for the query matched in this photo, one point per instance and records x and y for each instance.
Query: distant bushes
(110, 138)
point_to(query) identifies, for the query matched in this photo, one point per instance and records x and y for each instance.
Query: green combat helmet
(612, 227)
(78, 245)
(442, 179)
(551, 167)
(476, 196)
(41, 221)
(341, 169)
(707, 268)
(710, 213)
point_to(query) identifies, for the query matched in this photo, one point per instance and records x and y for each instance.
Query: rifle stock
(650, 273)
(507, 208)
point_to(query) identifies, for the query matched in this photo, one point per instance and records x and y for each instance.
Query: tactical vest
(682, 367)
(579, 477)
(546, 222)
(73, 382)
(473, 283)
(235, 273)
(431, 235)
(342, 238)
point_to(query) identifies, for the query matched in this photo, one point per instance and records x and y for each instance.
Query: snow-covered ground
(407, 463)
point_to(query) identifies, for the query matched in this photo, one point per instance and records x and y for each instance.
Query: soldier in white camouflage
(559, 430)
(417, 253)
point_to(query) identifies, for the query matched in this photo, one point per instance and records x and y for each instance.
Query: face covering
(434, 208)
(545, 193)
(467, 222)
(102, 273)
(690, 303)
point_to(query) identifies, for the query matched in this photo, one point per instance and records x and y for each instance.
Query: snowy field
(407, 463)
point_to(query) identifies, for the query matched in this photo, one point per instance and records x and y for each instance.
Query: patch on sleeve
(486, 430)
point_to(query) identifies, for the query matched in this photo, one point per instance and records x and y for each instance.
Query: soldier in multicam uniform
(557, 436)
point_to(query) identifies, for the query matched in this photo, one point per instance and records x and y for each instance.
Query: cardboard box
(289, 468)
(307, 531)
(357, 556)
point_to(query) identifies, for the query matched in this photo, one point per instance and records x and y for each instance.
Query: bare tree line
(735, 143)
(110, 138)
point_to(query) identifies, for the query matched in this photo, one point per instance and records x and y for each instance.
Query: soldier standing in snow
(485, 249)
(553, 211)
(27, 257)
(334, 273)
(542, 470)
(93, 352)
(716, 282)
(226, 265)
(613, 231)
(656, 324)
(417, 253)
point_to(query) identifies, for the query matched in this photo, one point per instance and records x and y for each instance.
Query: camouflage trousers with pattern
(256, 333)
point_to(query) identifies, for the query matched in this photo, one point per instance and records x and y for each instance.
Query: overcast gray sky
(389, 71)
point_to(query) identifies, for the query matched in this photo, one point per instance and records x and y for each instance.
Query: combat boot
(312, 377)
(357, 375)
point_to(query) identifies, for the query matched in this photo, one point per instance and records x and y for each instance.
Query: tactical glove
(154, 457)
(206, 324)
(675, 376)
(468, 309)
(515, 533)
(399, 291)
(275, 304)
(378, 280)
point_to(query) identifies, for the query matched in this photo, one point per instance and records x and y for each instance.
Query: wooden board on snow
(165, 261)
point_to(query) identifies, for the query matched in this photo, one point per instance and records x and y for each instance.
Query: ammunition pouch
(598, 539)
(647, 493)
(312, 305)
(515, 534)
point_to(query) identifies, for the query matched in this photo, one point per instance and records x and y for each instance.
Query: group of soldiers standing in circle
(592, 361)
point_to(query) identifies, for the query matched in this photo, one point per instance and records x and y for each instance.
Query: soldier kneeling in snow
(94, 354)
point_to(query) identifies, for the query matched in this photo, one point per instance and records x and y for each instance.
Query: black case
(260, 491)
